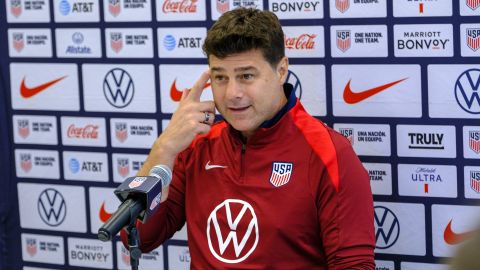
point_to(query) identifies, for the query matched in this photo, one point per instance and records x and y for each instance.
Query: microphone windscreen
(162, 172)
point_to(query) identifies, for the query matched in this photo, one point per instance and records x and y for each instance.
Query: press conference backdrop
(90, 84)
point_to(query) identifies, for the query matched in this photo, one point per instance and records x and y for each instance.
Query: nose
(234, 90)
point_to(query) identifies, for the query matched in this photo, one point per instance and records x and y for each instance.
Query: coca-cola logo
(86, 132)
(302, 42)
(180, 6)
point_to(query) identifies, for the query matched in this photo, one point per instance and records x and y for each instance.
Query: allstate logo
(74, 165)
(64, 7)
(169, 42)
(77, 38)
(466, 91)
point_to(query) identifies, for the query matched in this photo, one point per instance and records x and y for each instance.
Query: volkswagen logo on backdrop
(466, 91)
(387, 227)
(52, 207)
(293, 79)
(118, 88)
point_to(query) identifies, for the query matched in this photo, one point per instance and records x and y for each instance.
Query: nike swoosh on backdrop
(352, 98)
(104, 215)
(453, 238)
(175, 94)
(28, 92)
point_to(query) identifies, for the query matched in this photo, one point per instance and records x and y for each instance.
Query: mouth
(238, 109)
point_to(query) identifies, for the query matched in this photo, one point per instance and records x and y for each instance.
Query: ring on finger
(207, 118)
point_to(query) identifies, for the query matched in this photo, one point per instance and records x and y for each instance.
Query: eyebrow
(220, 69)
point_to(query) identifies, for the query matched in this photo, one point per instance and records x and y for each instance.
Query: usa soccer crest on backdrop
(114, 7)
(42, 249)
(470, 40)
(358, 9)
(472, 4)
(475, 181)
(30, 42)
(20, 11)
(18, 42)
(471, 182)
(116, 41)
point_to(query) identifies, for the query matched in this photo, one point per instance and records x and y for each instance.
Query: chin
(243, 127)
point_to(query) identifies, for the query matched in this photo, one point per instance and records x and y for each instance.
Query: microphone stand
(133, 243)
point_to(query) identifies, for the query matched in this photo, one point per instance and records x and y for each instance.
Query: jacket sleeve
(345, 211)
(169, 218)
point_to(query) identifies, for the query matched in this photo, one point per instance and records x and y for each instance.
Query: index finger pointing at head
(198, 87)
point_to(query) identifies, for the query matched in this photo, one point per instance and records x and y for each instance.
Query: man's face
(247, 90)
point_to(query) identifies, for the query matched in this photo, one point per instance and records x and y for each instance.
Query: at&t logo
(243, 235)
(118, 88)
(52, 207)
(466, 91)
(169, 42)
(64, 7)
(74, 165)
(387, 227)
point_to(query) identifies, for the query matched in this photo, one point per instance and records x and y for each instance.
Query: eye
(220, 78)
(247, 76)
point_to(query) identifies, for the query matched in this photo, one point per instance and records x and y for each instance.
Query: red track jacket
(295, 196)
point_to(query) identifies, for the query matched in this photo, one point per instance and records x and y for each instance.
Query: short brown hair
(244, 29)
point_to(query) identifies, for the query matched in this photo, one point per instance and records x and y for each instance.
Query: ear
(282, 69)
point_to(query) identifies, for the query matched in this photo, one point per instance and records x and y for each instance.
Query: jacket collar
(291, 100)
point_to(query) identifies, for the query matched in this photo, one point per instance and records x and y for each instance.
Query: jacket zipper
(242, 162)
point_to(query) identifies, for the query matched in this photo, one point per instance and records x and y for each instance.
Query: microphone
(140, 196)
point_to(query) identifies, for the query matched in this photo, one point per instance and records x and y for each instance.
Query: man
(270, 187)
